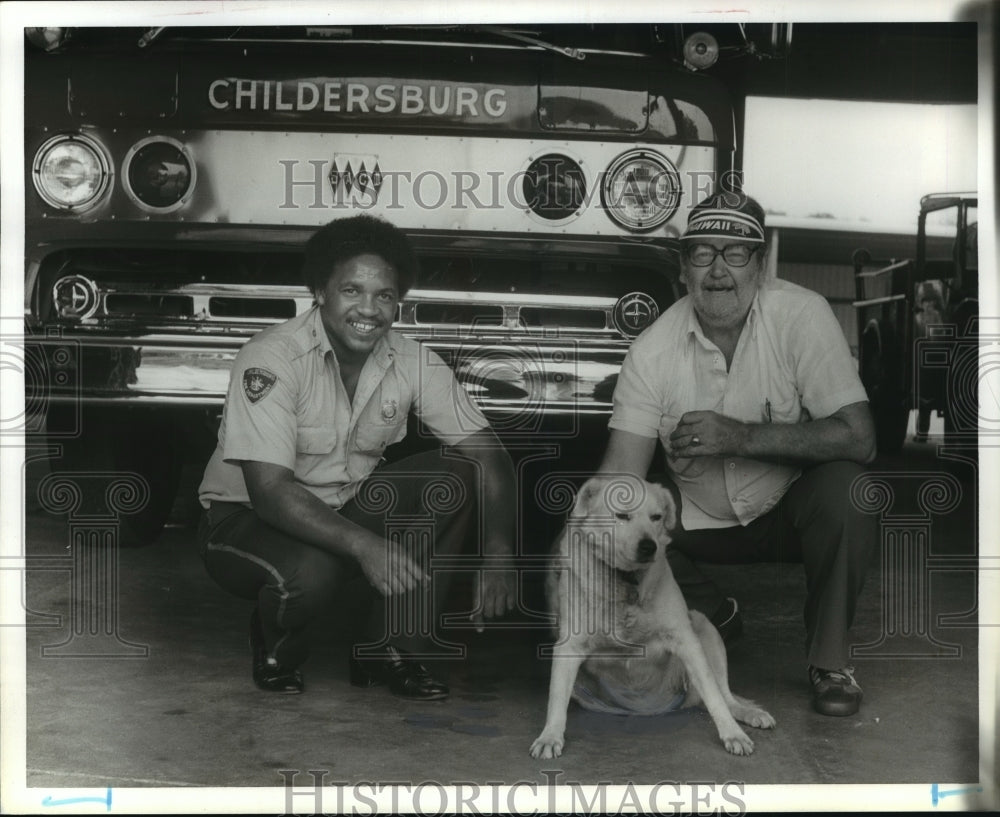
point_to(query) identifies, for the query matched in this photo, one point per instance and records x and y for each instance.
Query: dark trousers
(427, 501)
(815, 523)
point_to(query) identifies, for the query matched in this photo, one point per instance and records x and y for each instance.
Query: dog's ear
(671, 504)
(671, 514)
(585, 497)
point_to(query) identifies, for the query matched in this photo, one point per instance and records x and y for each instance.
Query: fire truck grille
(130, 291)
(563, 318)
(458, 313)
(146, 305)
(252, 308)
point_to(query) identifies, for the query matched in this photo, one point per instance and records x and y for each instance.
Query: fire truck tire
(890, 409)
(120, 442)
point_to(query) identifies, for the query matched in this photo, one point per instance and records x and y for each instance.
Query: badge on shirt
(389, 410)
(257, 383)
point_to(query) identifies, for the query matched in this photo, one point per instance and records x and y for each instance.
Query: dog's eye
(656, 517)
(625, 517)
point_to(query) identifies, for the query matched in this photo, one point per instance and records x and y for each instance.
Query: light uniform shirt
(287, 405)
(792, 363)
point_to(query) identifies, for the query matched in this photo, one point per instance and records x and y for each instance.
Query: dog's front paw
(547, 746)
(738, 743)
(753, 715)
(761, 719)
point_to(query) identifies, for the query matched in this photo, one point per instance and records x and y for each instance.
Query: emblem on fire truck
(75, 296)
(634, 312)
(356, 173)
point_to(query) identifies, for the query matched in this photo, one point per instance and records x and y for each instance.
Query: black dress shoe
(406, 677)
(268, 674)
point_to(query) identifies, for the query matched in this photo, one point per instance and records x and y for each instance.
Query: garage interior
(149, 684)
(168, 701)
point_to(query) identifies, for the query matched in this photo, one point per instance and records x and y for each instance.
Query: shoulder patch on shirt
(257, 383)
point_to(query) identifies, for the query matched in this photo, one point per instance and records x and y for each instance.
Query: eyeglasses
(735, 255)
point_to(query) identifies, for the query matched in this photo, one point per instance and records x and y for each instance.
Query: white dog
(627, 641)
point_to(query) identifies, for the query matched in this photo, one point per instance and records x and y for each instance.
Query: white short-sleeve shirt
(286, 405)
(792, 363)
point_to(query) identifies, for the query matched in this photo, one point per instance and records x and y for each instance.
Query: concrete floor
(182, 711)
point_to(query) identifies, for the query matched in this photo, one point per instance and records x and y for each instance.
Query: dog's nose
(646, 549)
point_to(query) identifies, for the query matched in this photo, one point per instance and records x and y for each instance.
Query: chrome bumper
(514, 372)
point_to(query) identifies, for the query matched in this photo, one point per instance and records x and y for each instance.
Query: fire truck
(173, 176)
(917, 326)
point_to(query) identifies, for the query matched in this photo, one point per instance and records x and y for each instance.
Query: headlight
(159, 174)
(641, 190)
(71, 172)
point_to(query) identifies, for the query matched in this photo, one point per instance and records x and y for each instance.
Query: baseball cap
(727, 214)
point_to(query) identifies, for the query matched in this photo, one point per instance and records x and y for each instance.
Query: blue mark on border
(937, 794)
(48, 801)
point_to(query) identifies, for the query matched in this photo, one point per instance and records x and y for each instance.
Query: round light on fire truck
(641, 190)
(159, 174)
(71, 172)
(554, 187)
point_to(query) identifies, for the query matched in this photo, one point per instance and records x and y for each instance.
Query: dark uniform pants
(428, 501)
(815, 523)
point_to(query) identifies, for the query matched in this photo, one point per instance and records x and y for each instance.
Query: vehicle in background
(918, 325)
(173, 176)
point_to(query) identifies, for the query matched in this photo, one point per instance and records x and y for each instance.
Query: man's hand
(495, 595)
(707, 434)
(289, 507)
(388, 568)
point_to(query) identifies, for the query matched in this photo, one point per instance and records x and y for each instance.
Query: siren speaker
(701, 50)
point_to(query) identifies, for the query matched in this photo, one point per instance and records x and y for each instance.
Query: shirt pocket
(315, 439)
(784, 407)
(383, 421)
(373, 436)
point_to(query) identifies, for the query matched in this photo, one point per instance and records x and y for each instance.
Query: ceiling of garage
(905, 62)
(899, 62)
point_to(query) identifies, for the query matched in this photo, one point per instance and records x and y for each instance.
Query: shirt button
(732, 464)
(734, 499)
